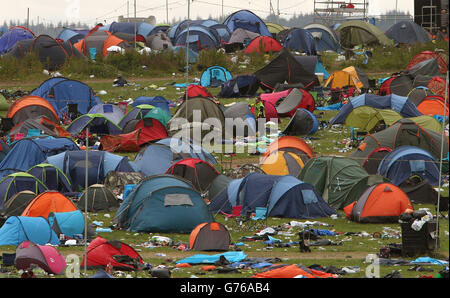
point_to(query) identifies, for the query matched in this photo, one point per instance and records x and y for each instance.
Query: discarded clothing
(231, 256)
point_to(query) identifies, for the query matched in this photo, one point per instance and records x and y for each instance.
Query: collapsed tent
(356, 32)
(158, 157)
(292, 271)
(18, 229)
(99, 199)
(283, 196)
(397, 103)
(339, 180)
(72, 35)
(297, 98)
(407, 32)
(44, 256)
(31, 107)
(199, 172)
(12, 36)
(211, 236)
(73, 165)
(247, 20)
(405, 161)
(117, 181)
(325, 38)
(52, 53)
(47, 202)
(162, 203)
(303, 122)
(38, 126)
(427, 55)
(96, 123)
(244, 122)
(242, 36)
(381, 203)
(240, 86)
(52, 177)
(285, 69)
(215, 76)
(121, 256)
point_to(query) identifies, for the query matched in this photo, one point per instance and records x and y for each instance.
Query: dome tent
(46, 257)
(211, 236)
(292, 144)
(31, 106)
(215, 76)
(47, 202)
(282, 163)
(52, 177)
(17, 229)
(407, 32)
(303, 122)
(99, 199)
(162, 203)
(17, 203)
(357, 32)
(247, 20)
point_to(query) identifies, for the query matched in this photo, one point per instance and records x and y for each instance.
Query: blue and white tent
(215, 76)
(17, 229)
(247, 20)
(283, 196)
(67, 223)
(324, 37)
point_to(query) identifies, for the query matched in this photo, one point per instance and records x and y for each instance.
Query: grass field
(352, 251)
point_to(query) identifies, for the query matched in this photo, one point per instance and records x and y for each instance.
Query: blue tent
(193, 56)
(110, 111)
(158, 157)
(98, 124)
(197, 38)
(52, 177)
(215, 76)
(12, 36)
(72, 35)
(61, 92)
(240, 86)
(247, 20)
(156, 101)
(175, 30)
(406, 161)
(100, 163)
(17, 182)
(28, 152)
(4, 149)
(67, 223)
(17, 229)
(400, 104)
(163, 203)
(300, 40)
(324, 37)
(283, 196)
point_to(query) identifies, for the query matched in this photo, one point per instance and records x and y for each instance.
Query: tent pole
(187, 58)
(85, 201)
(440, 164)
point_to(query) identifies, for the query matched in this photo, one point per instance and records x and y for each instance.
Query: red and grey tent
(46, 257)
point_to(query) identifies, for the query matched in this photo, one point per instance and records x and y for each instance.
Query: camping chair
(260, 217)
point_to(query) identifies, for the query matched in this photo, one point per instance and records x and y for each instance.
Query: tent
(282, 163)
(158, 157)
(400, 85)
(433, 106)
(193, 91)
(283, 196)
(46, 202)
(212, 236)
(42, 124)
(52, 53)
(397, 103)
(373, 160)
(405, 161)
(240, 86)
(17, 182)
(427, 55)
(241, 115)
(12, 36)
(111, 111)
(158, 41)
(46, 257)
(325, 38)
(300, 40)
(72, 35)
(182, 26)
(4, 104)
(369, 119)
(297, 98)
(417, 94)
(136, 134)
(199, 172)
(52, 177)
(73, 164)
(17, 203)
(217, 185)
(70, 224)
(436, 84)
(239, 38)
(28, 152)
(274, 28)
(403, 132)
(18, 229)
(200, 38)
(97, 43)
(120, 255)
(163, 203)
(215, 76)
(100, 199)
(290, 144)
(141, 112)
(428, 122)
(117, 181)
(381, 203)
(356, 32)
(429, 67)
(292, 271)
(339, 180)
(97, 123)
(303, 122)
(285, 69)
(247, 20)
(155, 101)
(407, 32)
(263, 44)
(31, 107)
(349, 76)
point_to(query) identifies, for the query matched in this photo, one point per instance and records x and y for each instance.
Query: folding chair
(260, 217)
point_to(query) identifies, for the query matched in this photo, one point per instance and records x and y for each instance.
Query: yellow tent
(282, 163)
(345, 77)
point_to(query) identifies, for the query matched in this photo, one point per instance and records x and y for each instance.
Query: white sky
(90, 11)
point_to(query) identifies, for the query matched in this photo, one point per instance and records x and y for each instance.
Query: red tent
(425, 55)
(146, 130)
(121, 256)
(263, 44)
(197, 91)
(46, 257)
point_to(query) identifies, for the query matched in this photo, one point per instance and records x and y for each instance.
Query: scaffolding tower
(330, 12)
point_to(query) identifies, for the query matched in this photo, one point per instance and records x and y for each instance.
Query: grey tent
(17, 203)
(217, 185)
(99, 198)
(159, 41)
(303, 122)
(407, 32)
(241, 36)
(241, 110)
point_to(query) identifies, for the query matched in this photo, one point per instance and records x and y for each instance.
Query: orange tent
(47, 202)
(291, 271)
(290, 144)
(433, 107)
(210, 236)
(105, 38)
(380, 203)
(30, 101)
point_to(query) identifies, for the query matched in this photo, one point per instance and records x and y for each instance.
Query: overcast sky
(91, 11)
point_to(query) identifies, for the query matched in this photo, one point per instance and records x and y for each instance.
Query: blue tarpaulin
(231, 256)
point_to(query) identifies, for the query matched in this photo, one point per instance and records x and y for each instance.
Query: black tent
(100, 198)
(407, 32)
(302, 122)
(240, 86)
(285, 69)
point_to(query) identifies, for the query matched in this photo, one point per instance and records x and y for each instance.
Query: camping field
(351, 242)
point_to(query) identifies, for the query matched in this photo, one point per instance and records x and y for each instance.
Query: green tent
(356, 32)
(156, 113)
(366, 118)
(428, 122)
(339, 180)
(4, 105)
